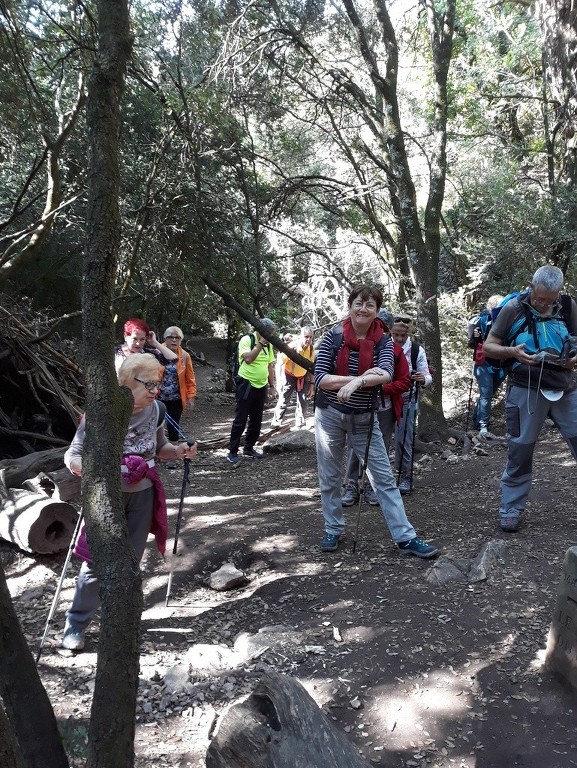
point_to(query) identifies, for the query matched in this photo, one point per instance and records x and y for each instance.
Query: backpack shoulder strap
(566, 307)
(161, 412)
(337, 340)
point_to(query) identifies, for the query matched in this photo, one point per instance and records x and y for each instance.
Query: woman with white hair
(178, 388)
(142, 492)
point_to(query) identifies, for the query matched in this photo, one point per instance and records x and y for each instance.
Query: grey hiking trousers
(526, 411)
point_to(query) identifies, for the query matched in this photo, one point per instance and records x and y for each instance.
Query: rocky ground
(415, 673)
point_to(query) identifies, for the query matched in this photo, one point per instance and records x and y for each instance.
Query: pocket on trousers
(512, 420)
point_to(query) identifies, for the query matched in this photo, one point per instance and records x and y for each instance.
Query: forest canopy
(287, 150)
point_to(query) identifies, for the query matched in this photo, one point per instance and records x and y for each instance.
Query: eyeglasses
(149, 385)
(173, 338)
(539, 302)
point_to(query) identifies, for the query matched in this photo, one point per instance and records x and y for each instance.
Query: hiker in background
(138, 338)
(346, 375)
(389, 413)
(178, 388)
(279, 378)
(143, 497)
(254, 382)
(488, 378)
(525, 325)
(420, 377)
(296, 379)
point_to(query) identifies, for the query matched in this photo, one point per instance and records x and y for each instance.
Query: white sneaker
(484, 434)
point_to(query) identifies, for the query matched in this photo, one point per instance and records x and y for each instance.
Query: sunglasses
(148, 385)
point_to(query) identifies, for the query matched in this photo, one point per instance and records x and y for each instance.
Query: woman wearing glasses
(142, 492)
(139, 338)
(178, 388)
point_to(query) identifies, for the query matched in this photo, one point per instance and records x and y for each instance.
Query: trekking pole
(363, 465)
(185, 481)
(405, 434)
(414, 432)
(469, 403)
(60, 583)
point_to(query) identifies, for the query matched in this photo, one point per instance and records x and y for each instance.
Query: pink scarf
(137, 470)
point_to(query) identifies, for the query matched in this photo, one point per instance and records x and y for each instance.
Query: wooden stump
(36, 523)
(280, 726)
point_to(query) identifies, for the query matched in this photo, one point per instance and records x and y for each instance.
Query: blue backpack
(548, 334)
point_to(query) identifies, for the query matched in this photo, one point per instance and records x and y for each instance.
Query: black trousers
(174, 410)
(250, 403)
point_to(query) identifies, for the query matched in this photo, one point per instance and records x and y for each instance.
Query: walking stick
(363, 466)
(60, 583)
(405, 434)
(469, 404)
(414, 432)
(185, 481)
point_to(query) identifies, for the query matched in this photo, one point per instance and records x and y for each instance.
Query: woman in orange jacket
(178, 384)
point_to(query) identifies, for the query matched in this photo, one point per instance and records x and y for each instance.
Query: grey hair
(268, 323)
(548, 277)
(173, 330)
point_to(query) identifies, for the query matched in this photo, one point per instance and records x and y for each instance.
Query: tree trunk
(26, 703)
(111, 732)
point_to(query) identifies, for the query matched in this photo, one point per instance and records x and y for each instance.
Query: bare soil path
(415, 674)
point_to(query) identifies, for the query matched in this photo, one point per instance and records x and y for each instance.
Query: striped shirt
(326, 361)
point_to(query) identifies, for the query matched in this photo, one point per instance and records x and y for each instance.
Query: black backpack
(235, 363)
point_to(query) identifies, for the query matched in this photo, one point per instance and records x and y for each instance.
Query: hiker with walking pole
(489, 378)
(354, 357)
(405, 429)
(143, 495)
(389, 411)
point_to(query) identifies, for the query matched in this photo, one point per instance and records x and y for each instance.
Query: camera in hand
(568, 353)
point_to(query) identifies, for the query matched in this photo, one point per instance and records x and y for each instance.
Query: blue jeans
(386, 421)
(488, 382)
(333, 430)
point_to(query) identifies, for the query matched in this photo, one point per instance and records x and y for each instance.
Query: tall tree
(111, 731)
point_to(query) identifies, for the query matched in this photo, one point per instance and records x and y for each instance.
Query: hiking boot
(330, 542)
(405, 487)
(350, 494)
(250, 453)
(73, 638)
(233, 458)
(371, 496)
(484, 434)
(417, 547)
(510, 520)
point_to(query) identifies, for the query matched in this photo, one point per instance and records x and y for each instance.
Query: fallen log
(35, 522)
(16, 471)
(279, 726)
(61, 485)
